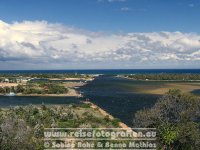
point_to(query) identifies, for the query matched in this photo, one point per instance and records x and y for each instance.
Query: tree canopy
(176, 116)
(165, 76)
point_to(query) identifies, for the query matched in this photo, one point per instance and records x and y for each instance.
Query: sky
(99, 34)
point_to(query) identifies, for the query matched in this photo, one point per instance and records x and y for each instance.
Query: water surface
(6, 101)
(117, 96)
(105, 71)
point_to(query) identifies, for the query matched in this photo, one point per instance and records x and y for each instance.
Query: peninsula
(43, 84)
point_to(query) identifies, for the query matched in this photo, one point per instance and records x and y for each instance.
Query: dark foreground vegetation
(177, 119)
(176, 116)
(165, 76)
(22, 128)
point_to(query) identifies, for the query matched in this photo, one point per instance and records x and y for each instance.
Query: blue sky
(108, 15)
(98, 34)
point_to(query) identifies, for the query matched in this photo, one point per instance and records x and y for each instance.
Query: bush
(115, 122)
(20, 89)
(176, 117)
(84, 105)
(2, 90)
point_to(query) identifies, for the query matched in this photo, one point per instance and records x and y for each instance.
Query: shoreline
(72, 93)
(123, 77)
(94, 106)
(104, 113)
(71, 79)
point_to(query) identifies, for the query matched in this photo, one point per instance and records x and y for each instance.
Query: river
(108, 92)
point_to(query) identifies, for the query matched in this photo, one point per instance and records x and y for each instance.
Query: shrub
(115, 122)
(84, 105)
(176, 117)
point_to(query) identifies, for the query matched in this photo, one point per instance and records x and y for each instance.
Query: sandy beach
(8, 84)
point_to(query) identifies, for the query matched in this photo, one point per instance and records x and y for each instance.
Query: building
(6, 80)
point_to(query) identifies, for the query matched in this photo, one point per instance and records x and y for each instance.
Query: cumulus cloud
(43, 45)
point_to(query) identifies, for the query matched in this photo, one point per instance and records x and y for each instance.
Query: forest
(165, 76)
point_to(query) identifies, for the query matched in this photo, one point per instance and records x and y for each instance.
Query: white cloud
(125, 9)
(40, 44)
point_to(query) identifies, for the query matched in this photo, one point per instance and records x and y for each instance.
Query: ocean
(105, 71)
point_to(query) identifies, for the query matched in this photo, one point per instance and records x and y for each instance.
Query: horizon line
(102, 69)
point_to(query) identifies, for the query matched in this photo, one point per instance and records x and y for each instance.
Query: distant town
(42, 84)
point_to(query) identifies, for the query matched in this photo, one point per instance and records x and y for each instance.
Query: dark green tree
(20, 89)
(176, 116)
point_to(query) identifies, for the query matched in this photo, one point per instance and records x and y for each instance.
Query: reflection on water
(117, 96)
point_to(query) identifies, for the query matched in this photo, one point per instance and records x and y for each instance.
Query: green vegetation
(165, 76)
(37, 88)
(44, 88)
(20, 89)
(176, 117)
(4, 90)
(22, 128)
(40, 83)
(41, 75)
(115, 122)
